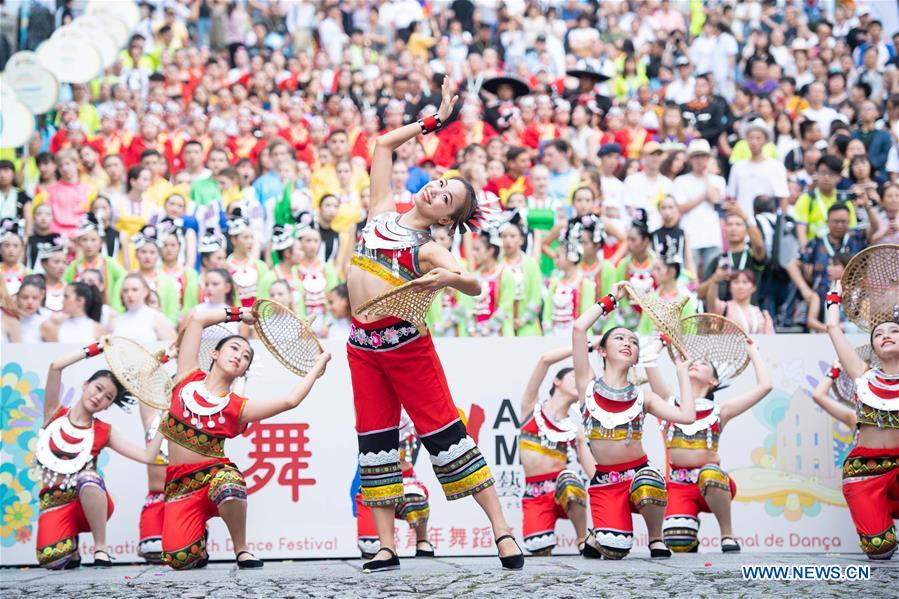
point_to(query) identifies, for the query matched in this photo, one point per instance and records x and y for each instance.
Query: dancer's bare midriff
(611, 452)
(874, 437)
(692, 458)
(537, 464)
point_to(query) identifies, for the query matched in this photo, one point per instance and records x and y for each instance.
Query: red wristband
(92, 350)
(608, 303)
(832, 298)
(429, 124)
(834, 373)
(232, 314)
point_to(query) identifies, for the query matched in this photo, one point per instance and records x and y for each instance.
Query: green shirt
(205, 192)
(113, 273)
(526, 306)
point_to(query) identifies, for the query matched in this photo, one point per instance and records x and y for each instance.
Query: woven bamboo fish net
(717, 339)
(139, 372)
(287, 336)
(408, 302)
(871, 286)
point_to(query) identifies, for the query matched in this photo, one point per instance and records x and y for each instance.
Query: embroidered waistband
(684, 475)
(384, 334)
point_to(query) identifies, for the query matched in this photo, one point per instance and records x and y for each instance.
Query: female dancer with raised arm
(549, 439)
(871, 470)
(696, 481)
(392, 364)
(624, 481)
(837, 409)
(73, 498)
(200, 482)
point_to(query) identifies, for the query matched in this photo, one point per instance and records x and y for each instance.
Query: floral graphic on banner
(21, 409)
(21, 416)
(788, 474)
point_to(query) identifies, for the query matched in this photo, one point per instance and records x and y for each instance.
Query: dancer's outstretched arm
(255, 410)
(531, 393)
(650, 366)
(685, 411)
(838, 410)
(584, 455)
(446, 272)
(583, 372)
(145, 455)
(385, 145)
(854, 366)
(763, 386)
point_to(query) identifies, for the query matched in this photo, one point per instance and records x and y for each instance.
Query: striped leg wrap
(457, 461)
(570, 489)
(711, 476)
(648, 488)
(613, 544)
(380, 473)
(681, 533)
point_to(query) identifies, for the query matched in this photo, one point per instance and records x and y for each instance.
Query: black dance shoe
(657, 553)
(248, 563)
(731, 547)
(382, 565)
(102, 562)
(589, 551)
(72, 564)
(424, 552)
(511, 562)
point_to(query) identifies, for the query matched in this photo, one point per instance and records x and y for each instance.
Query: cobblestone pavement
(702, 575)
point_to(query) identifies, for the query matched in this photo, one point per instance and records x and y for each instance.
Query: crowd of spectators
(734, 153)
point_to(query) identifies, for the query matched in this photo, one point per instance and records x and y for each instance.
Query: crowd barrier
(785, 456)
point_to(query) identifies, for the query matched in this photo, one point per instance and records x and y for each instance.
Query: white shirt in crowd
(701, 223)
(749, 180)
(646, 193)
(137, 325)
(681, 91)
(612, 196)
(892, 165)
(824, 116)
(713, 54)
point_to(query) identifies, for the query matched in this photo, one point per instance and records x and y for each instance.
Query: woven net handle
(673, 341)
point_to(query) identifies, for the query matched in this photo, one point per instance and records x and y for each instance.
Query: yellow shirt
(324, 181)
(741, 151)
(811, 210)
(159, 191)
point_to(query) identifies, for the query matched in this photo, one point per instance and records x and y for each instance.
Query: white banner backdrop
(785, 456)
